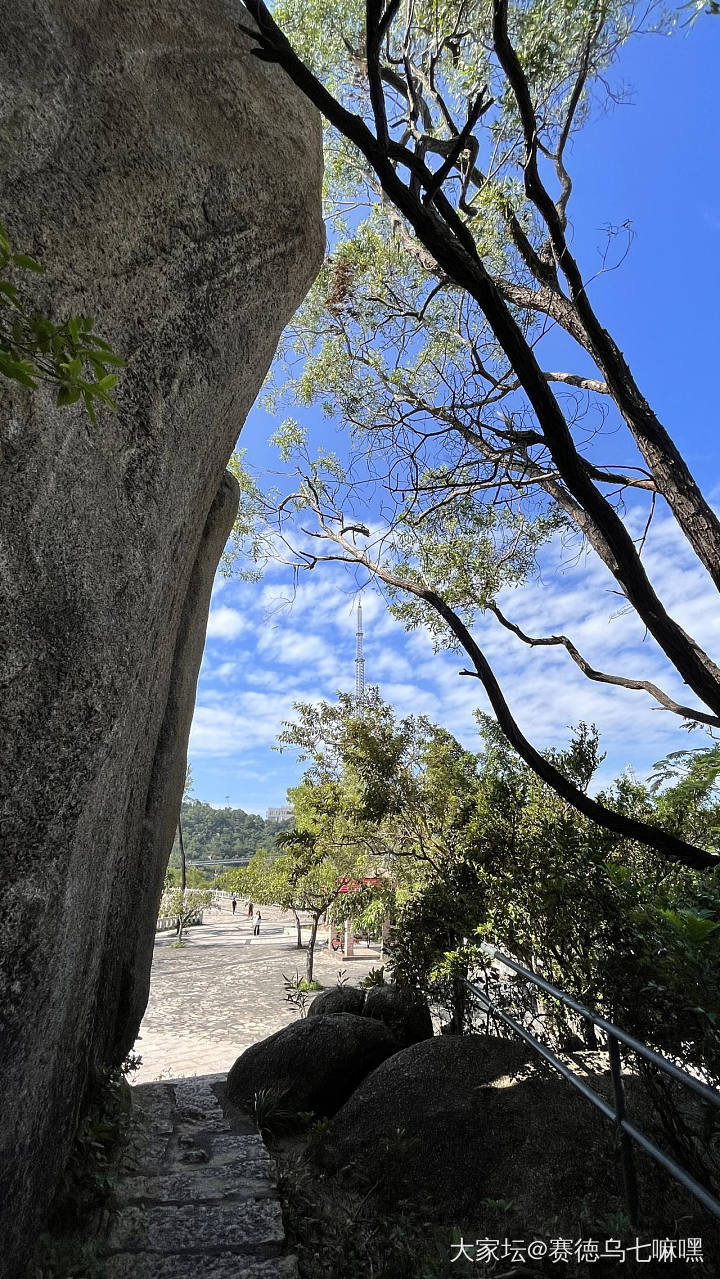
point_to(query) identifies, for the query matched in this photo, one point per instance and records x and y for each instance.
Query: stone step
(202, 1198)
(249, 1226)
(220, 1265)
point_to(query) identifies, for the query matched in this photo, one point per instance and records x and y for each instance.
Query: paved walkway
(223, 991)
(201, 1201)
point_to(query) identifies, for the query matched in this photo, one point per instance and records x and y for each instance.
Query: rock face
(406, 1014)
(315, 1064)
(170, 182)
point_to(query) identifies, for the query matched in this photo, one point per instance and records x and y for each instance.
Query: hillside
(222, 834)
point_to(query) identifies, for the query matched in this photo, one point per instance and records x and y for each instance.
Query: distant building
(282, 814)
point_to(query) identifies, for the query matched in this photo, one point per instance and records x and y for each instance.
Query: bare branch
(601, 677)
(448, 238)
(580, 82)
(480, 106)
(377, 22)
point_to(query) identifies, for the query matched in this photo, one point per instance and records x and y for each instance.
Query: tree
(452, 124)
(321, 854)
(603, 918)
(222, 834)
(185, 904)
(371, 810)
(384, 800)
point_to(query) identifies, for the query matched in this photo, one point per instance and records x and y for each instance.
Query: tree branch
(674, 481)
(628, 827)
(644, 685)
(443, 232)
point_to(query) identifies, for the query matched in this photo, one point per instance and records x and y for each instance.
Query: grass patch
(336, 1225)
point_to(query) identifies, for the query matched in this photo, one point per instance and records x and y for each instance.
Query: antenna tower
(359, 660)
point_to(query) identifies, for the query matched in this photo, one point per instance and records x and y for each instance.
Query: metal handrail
(627, 1131)
(669, 1067)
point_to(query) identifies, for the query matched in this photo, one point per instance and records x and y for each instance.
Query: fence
(627, 1132)
(169, 923)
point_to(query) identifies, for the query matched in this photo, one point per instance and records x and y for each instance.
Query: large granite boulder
(337, 999)
(170, 182)
(313, 1064)
(403, 1011)
(455, 1124)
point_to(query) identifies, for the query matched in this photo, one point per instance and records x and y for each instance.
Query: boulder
(315, 1063)
(454, 1121)
(170, 183)
(337, 999)
(403, 1011)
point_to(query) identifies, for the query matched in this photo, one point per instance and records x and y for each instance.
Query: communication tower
(359, 660)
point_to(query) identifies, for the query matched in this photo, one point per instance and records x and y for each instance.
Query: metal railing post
(628, 1162)
(627, 1131)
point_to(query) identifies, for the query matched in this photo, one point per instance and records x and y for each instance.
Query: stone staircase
(201, 1199)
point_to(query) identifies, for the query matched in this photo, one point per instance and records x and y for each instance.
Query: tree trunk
(441, 230)
(298, 925)
(311, 947)
(457, 1020)
(182, 857)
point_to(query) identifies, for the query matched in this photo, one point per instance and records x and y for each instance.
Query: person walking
(256, 922)
(234, 905)
(250, 910)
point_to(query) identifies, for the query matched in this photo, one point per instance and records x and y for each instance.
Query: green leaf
(22, 259)
(109, 357)
(22, 371)
(87, 396)
(72, 368)
(67, 395)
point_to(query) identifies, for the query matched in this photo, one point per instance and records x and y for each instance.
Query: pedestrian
(234, 905)
(256, 921)
(250, 910)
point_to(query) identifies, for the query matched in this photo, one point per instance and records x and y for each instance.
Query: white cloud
(275, 654)
(225, 623)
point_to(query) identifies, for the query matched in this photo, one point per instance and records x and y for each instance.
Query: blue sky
(652, 162)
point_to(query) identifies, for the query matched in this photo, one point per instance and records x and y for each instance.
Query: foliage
(451, 262)
(337, 1225)
(297, 991)
(223, 834)
(272, 1114)
(184, 905)
(334, 844)
(605, 920)
(376, 977)
(33, 349)
(690, 779)
(194, 877)
(85, 1196)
